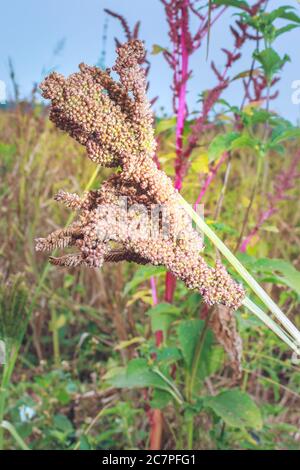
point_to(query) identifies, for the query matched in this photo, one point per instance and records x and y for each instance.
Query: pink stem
(210, 177)
(181, 113)
(155, 416)
(170, 287)
(264, 217)
(153, 290)
(181, 116)
(283, 182)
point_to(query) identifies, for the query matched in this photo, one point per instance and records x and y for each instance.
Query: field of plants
(140, 353)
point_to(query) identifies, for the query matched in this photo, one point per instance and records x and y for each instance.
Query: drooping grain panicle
(113, 120)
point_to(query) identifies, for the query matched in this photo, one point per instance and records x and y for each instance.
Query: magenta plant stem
(210, 177)
(186, 47)
(181, 113)
(283, 182)
(180, 80)
(154, 290)
(263, 218)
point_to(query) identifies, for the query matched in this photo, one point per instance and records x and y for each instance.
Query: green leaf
(69, 281)
(243, 141)
(232, 3)
(230, 108)
(285, 29)
(164, 308)
(141, 275)
(259, 116)
(246, 73)
(287, 273)
(157, 49)
(229, 141)
(130, 342)
(7, 153)
(253, 284)
(189, 333)
(163, 125)
(286, 135)
(168, 355)
(84, 443)
(12, 430)
(270, 61)
(162, 316)
(285, 12)
(200, 163)
(223, 228)
(216, 360)
(161, 323)
(62, 396)
(220, 144)
(236, 409)
(137, 374)
(59, 322)
(62, 423)
(160, 399)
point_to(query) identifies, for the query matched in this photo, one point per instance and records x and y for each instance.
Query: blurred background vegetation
(83, 367)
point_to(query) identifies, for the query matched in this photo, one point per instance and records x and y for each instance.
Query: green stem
(270, 323)
(173, 389)
(196, 359)
(6, 376)
(55, 337)
(91, 425)
(293, 339)
(252, 197)
(190, 433)
(12, 430)
(192, 377)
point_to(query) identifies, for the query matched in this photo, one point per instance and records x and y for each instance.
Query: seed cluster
(113, 120)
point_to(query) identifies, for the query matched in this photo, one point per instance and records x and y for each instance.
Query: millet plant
(147, 351)
(114, 122)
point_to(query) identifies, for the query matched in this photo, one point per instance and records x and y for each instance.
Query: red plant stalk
(153, 290)
(210, 177)
(155, 416)
(284, 182)
(156, 422)
(181, 115)
(180, 89)
(181, 112)
(262, 219)
(214, 94)
(184, 44)
(181, 54)
(158, 334)
(241, 35)
(177, 14)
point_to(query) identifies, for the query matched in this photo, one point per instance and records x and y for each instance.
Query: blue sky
(31, 30)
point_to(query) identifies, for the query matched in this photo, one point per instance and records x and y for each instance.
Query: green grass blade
(252, 283)
(12, 430)
(270, 323)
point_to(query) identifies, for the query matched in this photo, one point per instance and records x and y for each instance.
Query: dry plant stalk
(113, 120)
